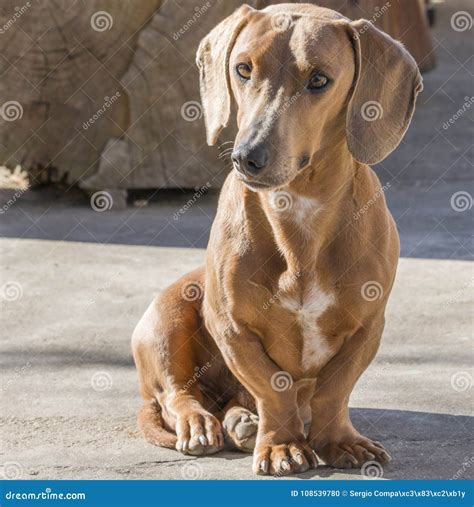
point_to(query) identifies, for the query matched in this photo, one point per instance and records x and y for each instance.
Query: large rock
(105, 94)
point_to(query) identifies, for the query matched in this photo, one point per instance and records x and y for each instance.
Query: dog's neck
(306, 215)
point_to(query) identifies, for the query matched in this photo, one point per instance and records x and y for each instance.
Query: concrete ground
(74, 283)
(70, 389)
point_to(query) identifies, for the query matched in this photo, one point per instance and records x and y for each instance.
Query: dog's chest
(308, 310)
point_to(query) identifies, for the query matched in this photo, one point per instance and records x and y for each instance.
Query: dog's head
(303, 78)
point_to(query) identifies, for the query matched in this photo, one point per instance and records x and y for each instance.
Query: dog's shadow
(423, 446)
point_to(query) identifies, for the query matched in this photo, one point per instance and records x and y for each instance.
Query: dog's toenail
(264, 466)
(203, 440)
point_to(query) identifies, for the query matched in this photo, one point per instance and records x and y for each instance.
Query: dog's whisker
(225, 154)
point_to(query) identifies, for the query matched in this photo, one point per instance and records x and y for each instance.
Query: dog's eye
(244, 71)
(318, 81)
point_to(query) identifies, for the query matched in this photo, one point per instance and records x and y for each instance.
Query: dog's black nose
(250, 161)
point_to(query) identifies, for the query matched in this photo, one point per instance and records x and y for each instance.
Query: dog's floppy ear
(387, 82)
(213, 62)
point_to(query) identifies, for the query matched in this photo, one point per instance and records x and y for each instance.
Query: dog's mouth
(252, 184)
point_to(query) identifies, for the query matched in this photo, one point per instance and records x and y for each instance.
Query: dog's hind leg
(164, 349)
(240, 423)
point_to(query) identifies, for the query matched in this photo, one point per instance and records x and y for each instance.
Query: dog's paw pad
(240, 427)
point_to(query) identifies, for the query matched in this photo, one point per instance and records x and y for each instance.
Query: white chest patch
(316, 350)
(304, 209)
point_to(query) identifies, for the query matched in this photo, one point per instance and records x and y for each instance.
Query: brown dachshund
(260, 349)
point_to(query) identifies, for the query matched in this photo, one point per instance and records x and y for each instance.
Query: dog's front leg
(281, 446)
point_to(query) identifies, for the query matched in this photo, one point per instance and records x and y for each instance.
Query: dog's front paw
(199, 433)
(352, 453)
(284, 459)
